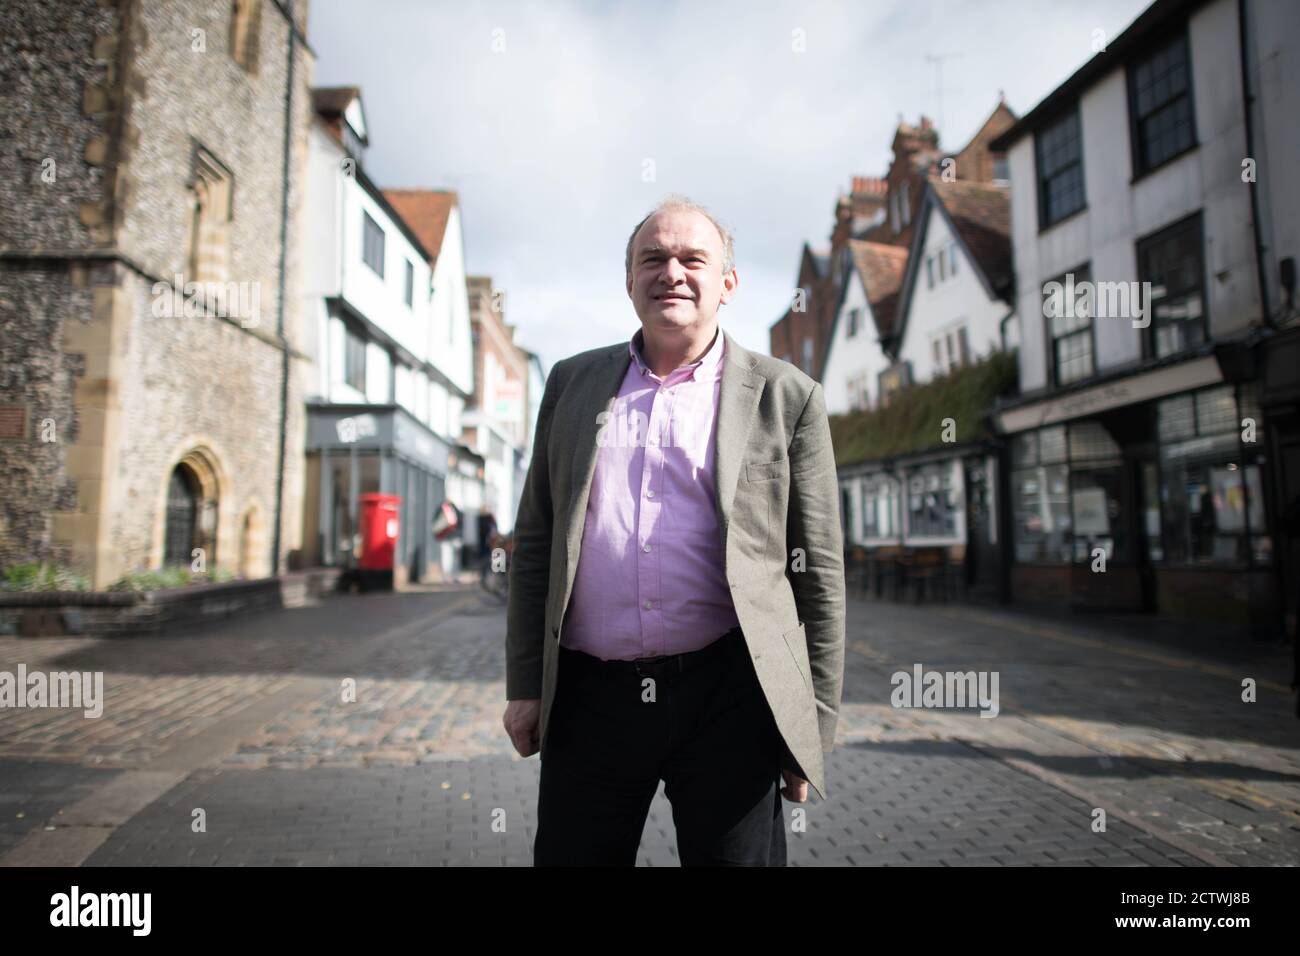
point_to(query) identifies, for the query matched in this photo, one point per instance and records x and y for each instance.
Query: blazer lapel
(599, 391)
(738, 398)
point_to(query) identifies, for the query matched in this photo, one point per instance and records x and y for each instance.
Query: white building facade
(1134, 483)
(391, 354)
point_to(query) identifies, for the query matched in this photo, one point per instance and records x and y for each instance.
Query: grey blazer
(778, 501)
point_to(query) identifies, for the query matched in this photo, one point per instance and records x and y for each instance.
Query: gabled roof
(342, 102)
(813, 264)
(880, 267)
(979, 217)
(981, 213)
(426, 211)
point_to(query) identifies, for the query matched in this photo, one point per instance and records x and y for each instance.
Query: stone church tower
(151, 405)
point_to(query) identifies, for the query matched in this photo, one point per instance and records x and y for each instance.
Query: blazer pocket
(796, 642)
(767, 470)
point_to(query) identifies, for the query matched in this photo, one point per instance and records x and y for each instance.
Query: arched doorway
(184, 499)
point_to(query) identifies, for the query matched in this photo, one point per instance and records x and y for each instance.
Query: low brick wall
(114, 614)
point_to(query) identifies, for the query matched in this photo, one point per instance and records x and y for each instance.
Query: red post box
(379, 527)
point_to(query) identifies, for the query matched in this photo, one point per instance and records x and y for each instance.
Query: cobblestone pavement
(366, 729)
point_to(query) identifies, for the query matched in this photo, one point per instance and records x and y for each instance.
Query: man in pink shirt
(662, 575)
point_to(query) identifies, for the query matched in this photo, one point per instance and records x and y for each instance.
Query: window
(372, 244)
(1067, 495)
(855, 321)
(211, 202)
(1211, 492)
(880, 507)
(943, 264)
(905, 208)
(932, 502)
(857, 391)
(410, 283)
(1001, 171)
(1040, 496)
(952, 258)
(1060, 170)
(1160, 106)
(929, 272)
(1069, 326)
(950, 349)
(893, 380)
(807, 356)
(895, 220)
(245, 23)
(354, 360)
(1172, 262)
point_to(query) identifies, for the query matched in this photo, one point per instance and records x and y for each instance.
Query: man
(676, 602)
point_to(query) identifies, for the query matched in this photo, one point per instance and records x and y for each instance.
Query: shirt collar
(709, 360)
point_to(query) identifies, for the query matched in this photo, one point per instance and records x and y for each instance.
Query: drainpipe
(279, 318)
(1248, 98)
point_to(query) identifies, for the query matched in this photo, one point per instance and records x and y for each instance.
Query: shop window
(880, 508)
(1211, 492)
(1067, 495)
(1171, 260)
(932, 503)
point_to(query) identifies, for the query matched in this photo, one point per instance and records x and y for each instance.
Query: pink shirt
(650, 578)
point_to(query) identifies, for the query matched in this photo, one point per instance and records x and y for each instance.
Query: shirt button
(649, 604)
(650, 493)
(645, 547)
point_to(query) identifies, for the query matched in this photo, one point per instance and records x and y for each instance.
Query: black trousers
(697, 721)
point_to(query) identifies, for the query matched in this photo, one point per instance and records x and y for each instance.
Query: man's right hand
(521, 721)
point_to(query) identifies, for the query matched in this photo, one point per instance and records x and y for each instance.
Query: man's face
(677, 280)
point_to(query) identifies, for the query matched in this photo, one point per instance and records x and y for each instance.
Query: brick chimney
(868, 199)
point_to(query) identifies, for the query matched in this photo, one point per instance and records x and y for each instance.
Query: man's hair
(678, 201)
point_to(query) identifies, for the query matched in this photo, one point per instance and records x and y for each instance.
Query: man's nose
(674, 273)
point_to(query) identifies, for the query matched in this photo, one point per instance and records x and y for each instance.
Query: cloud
(546, 139)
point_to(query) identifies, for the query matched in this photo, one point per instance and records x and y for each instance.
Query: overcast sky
(542, 116)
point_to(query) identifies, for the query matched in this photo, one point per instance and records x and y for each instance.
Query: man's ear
(628, 285)
(730, 282)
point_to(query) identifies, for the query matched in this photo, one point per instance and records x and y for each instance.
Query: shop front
(1145, 494)
(354, 450)
(926, 520)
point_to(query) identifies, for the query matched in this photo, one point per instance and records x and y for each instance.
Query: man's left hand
(796, 787)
